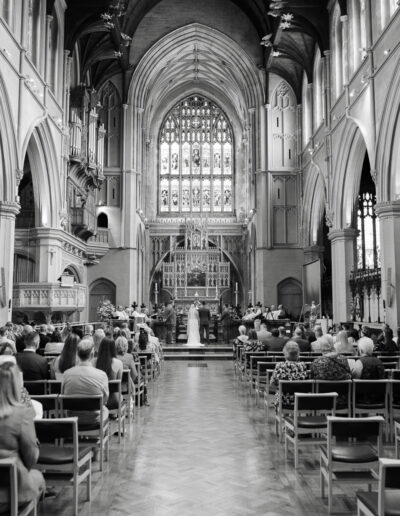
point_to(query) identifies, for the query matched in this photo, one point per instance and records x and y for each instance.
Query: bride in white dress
(193, 331)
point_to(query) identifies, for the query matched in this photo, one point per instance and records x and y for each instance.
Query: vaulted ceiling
(114, 35)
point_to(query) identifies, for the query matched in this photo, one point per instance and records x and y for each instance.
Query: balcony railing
(101, 236)
(366, 287)
(49, 297)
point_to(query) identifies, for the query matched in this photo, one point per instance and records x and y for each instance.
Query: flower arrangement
(105, 310)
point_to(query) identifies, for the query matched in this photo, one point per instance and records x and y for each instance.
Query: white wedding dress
(193, 331)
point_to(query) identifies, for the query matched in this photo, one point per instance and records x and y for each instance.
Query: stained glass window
(196, 161)
(368, 232)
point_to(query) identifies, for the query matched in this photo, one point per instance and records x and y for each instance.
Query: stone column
(312, 253)
(8, 212)
(261, 250)
(342, 264)
(389, 222)
(345, 46)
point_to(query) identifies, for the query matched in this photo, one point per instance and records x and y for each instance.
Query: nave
(203, 449)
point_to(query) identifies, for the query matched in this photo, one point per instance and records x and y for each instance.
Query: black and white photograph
(199, 257)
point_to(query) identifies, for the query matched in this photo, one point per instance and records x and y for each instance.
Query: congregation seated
(112, 366)
(252, 343)
(18, 438)
(316, 344)
(291, 369)
(331, 365)
(308, 333)
(263, 334)
(386, 343)
(283, 334)
(20, 340)
(86, 380)
(304, 344)
(342, 344)
(89, 330)
(126, 358)
(33, 366)
(242, 338)
(275, 342)
(67, 359)
(98, 336)
(5, 337)
(44, 338)
(367, 367)
(55, 345)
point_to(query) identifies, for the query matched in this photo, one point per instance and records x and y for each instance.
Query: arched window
(367, 225)
(196, 159)
(102, 220)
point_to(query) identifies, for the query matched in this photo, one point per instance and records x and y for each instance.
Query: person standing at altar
(225, 323)
(205, 316)
(170, 321)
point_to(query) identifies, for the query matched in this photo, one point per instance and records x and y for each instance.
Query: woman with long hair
(342, 344)
(18, 438)
(67, 359)
(108, 362)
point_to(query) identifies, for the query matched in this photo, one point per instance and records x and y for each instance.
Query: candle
(236, 286)
(156, 288)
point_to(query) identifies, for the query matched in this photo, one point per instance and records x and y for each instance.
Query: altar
(196, 270)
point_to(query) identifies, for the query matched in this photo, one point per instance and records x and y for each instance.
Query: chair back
(389, 484)
(125, 381)
(325, 402)
(51, 430)
(81, 403)
(359, 428)
(54, 386)
(9, 478)
(370, 391)
(36, 387)
(49, 403)
(114, 386)
(342, 387)
(396, 374)
(291, 387)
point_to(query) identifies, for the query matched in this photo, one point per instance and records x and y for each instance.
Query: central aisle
(202, 449)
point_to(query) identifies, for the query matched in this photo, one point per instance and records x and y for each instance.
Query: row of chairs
(350, 447)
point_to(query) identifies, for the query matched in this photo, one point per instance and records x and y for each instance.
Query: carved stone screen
(196, 159)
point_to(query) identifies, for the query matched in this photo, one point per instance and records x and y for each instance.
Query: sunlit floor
(202, 448)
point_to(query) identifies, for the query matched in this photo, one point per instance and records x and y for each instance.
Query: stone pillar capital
(9, 209)
(342, 234)
(388, 209)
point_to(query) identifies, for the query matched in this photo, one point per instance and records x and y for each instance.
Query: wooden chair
(353, 448)
(261, 378)
(387, 499)
(49, 403)
(289, 388)
(54, 386)
(9, 479)
(309, 419)
(114, 387)
(64, 464)
(128, 393)
(99, 431)
(36, 387)
(253, 371)
(371, 397)
(343, 389)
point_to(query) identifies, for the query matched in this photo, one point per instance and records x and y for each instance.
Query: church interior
(199, 204)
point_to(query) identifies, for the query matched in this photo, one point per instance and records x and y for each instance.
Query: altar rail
(367, 304)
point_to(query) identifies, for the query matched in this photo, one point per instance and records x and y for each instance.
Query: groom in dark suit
(204, 316)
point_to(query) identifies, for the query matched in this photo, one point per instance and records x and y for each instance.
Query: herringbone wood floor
(202, 449)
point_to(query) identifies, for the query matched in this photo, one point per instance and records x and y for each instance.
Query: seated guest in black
(308, 334)
(304, 344)
(33, 366)
(275, 342)
(367, 367)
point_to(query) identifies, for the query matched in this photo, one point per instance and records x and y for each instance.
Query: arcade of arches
(155, 150)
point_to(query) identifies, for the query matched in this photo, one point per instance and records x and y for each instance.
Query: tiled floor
(202, 449)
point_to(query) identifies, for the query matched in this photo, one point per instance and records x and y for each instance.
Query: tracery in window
(196, 159)
(367, 224)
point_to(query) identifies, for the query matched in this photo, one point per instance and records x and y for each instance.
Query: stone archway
(290, 295)
(99, 290)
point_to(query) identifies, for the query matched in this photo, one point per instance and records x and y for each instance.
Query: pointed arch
(8, 148)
